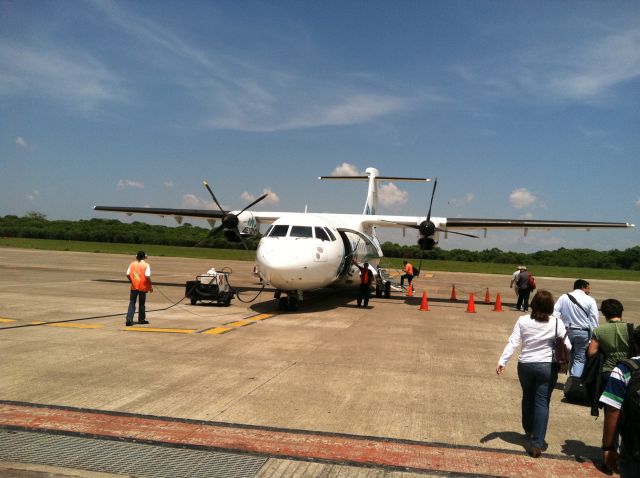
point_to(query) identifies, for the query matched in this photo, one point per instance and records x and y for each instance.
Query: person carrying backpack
(621, 429)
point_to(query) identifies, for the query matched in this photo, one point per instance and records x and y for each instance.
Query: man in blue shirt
(579, 312)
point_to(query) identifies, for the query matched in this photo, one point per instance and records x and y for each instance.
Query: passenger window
(301, 231)
(333, 238)
(321, 234)
(279, 230)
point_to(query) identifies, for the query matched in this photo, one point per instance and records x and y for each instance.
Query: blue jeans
(579, 342)
(141, 296)
(537, 381)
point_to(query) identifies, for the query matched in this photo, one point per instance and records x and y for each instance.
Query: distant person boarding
(139, 275)
(514, 280)
(579, 312)
(408, 273)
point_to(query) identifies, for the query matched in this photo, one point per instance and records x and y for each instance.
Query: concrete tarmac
(329, 390)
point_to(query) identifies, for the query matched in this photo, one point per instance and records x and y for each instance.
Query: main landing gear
(290, 301)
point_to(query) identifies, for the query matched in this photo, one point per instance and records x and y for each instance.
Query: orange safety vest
(364, 276)
(139, 280)
(409, 268)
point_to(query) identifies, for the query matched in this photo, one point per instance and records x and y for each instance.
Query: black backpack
(629, 425)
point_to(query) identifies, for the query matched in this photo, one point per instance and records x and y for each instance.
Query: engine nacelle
(428, 235)
(247, 224)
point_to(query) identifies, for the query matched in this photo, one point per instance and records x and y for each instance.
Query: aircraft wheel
(387, 290)
(378, 290)
(282, 303)
(193, 301)
(293, 304)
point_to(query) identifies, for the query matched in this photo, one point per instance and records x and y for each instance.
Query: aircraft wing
(473, 223)
(178, 214)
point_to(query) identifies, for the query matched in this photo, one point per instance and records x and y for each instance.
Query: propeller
(428, 228)
(230, 221)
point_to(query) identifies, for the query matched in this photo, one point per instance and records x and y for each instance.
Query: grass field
(243, 255)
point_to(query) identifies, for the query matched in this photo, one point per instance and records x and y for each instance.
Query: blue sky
(521, 109)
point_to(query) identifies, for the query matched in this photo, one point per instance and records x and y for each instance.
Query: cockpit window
(321, 234)
(333, 238)
(301, 231)
(279, 230)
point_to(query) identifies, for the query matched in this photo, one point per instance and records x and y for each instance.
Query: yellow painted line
(239, 323)
(3, 320)
(76, 326)
(169, 331)
(37, 323)
(259, 317)
(218, 330)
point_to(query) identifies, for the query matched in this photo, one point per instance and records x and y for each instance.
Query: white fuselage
(306, 251)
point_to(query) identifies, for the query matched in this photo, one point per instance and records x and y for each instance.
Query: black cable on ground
(88, 318)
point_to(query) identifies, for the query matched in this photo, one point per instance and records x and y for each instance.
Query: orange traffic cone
(410, 291)
(453, 292)
(487, 297)
(498, 306)
(425, 303)
(471, 306)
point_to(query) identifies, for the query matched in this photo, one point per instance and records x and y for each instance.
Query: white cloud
(638, 202)
(192, 201)
(20, 141)
(272, 197)
(241, 93)
(129, 183)
(346, 169)
(390, 196)
(169, 184)
(521, 198)
(76, 79)
(600, 66)
(33, 196)
(462, 201)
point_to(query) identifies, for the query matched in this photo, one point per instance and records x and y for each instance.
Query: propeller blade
(254, 203)
(206, 185)
(433, 193)
(412, 226)
(244, 243)
(447, 231)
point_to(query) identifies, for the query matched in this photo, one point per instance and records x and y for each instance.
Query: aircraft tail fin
(373, 175)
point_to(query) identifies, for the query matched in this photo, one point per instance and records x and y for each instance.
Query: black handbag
(561, 354)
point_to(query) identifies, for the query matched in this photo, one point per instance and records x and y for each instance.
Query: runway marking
(4, 321)
(335, 448)
(237, 324)
(152, 329)
(76, 326)
(218, 330)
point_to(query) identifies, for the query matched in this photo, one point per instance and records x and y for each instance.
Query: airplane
(300, 252)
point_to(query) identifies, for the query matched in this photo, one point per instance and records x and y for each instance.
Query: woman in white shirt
(537, 372)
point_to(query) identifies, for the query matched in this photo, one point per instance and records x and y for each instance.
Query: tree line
(36, 225)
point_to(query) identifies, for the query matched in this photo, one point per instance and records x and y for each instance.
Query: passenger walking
(524, 289)
(612, 339)
(621, 427)
(514, 280)
(535, 333)
(579, 312)
(139, 275)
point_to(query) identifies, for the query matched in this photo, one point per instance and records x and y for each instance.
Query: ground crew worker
(366, 277)
(408, 273)
(139, 275)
